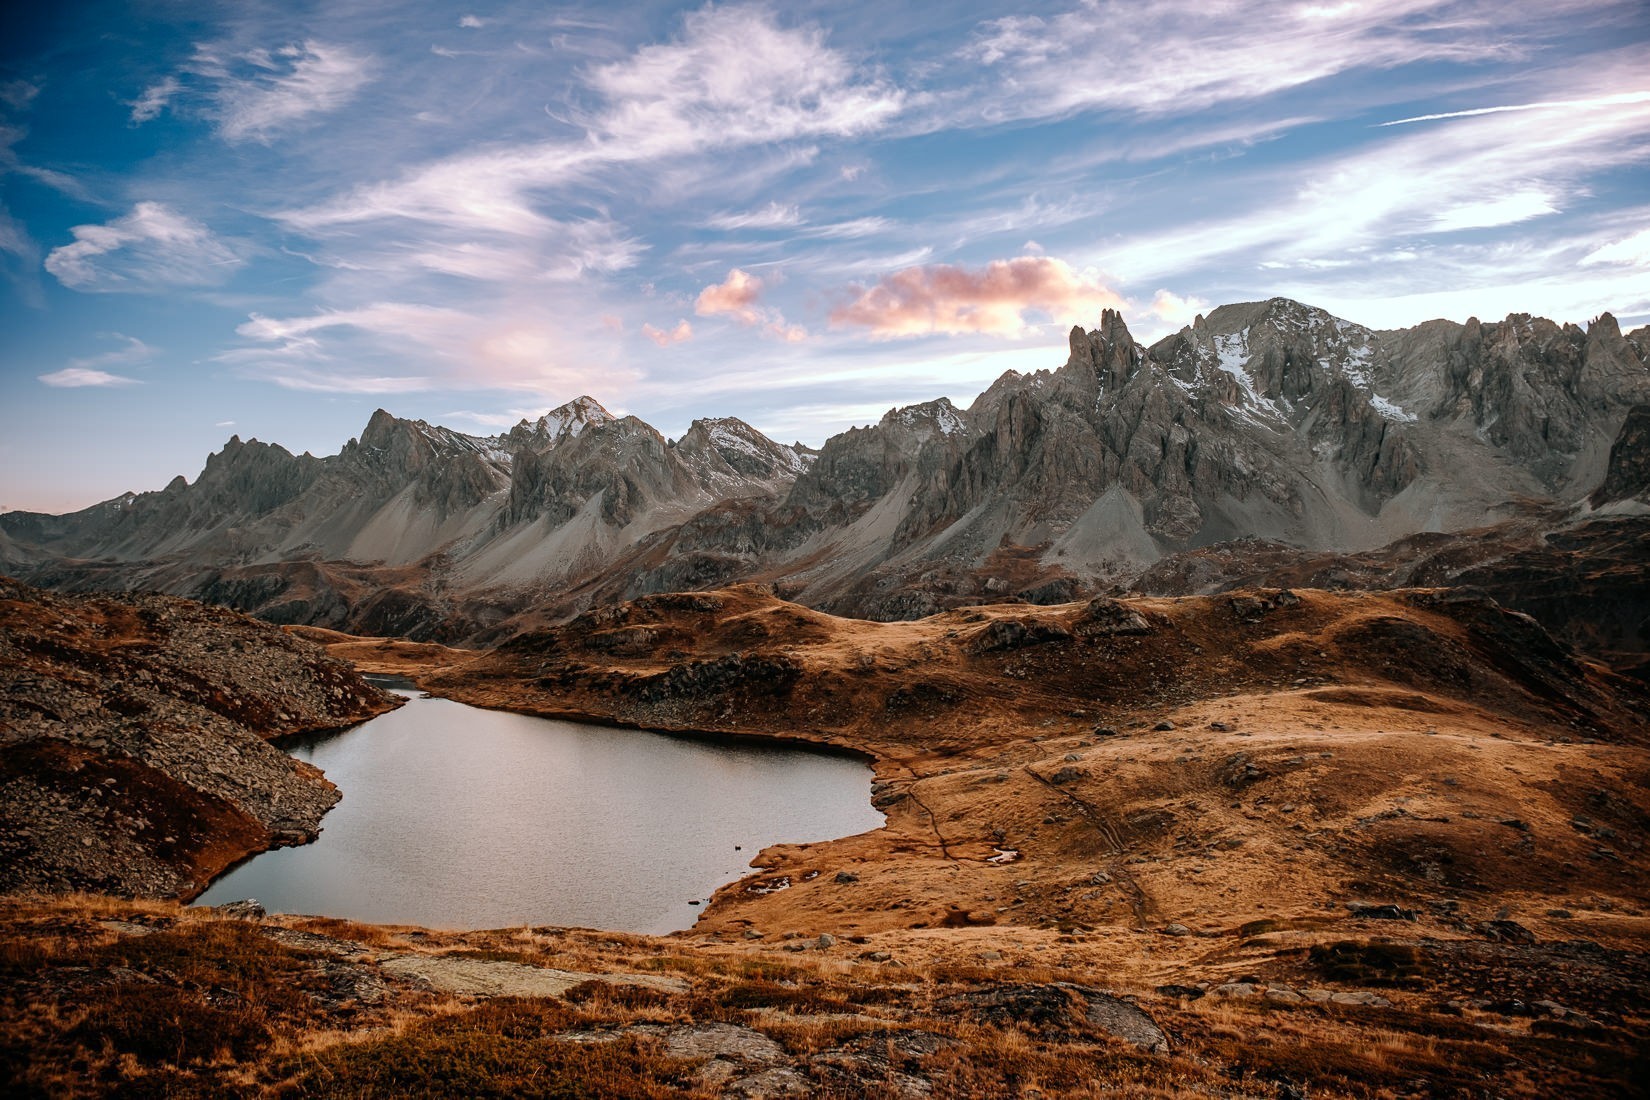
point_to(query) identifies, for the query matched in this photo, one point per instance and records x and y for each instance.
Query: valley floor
(1267, 844)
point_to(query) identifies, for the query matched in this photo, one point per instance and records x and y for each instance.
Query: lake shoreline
(455, 820)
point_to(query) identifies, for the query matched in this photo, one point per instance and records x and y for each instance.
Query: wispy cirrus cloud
(79, 377)
(153, 247)
(346, 350)
(1469, 172)
(1096, 56)
(772, 216)
(154, 99)
(252, 95)
(18, 94)
(1621, 99)
(88, 371)
(997, 299)
(1633, 250)
(734, 77)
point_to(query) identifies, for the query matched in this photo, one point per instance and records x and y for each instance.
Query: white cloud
(88, 370)
(1620, 100)
(155, 99)
(150, 248)
(470, 21)
(1165, 57)
(18, 94)
(1634, 250)
(15, 240)
(1502, 210)
(77, 377)
(131, 350)
(771, 216)
(1173, 311)
(325, 381)
(382, 317)
(734, 77)
(513, 346)
(1478, 171)
(258, 93)
(852, 228)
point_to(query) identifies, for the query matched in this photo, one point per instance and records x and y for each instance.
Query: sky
(269, 219)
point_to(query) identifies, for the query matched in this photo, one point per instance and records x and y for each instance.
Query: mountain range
(1262, 435)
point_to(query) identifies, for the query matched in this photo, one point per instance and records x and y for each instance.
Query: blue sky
(270, 219)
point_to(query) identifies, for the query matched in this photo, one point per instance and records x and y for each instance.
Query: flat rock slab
(1060, 1006)
(487, 978)
(722, 1041)
(313, 941)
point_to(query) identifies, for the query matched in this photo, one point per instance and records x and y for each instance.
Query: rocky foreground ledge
(133, 740)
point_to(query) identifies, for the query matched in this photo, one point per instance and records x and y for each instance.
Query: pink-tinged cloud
(945, 298)
(666, 337)
(783, 330)
(735, 296)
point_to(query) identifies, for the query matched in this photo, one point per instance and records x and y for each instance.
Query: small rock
(1360, 997)
(245, 909)
(1176, 930)
(1506, 931)
(753, 934)
(1380, 912)
(1189, 992)
(825, 940)
(1236, 989)
(1164, 726)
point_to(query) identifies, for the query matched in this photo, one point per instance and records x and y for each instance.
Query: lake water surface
(456, 817)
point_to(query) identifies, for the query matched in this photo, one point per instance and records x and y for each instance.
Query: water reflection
(458, 817)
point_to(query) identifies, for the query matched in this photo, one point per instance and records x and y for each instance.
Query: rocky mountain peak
(1108, 352)
(574, 417)
(556, 426)
(380, 429)
(1604, 326)
(712, 443)
(930, 418)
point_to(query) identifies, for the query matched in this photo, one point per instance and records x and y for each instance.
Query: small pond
(456, 817)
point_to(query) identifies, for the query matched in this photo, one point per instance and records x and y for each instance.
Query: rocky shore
(134, 754)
